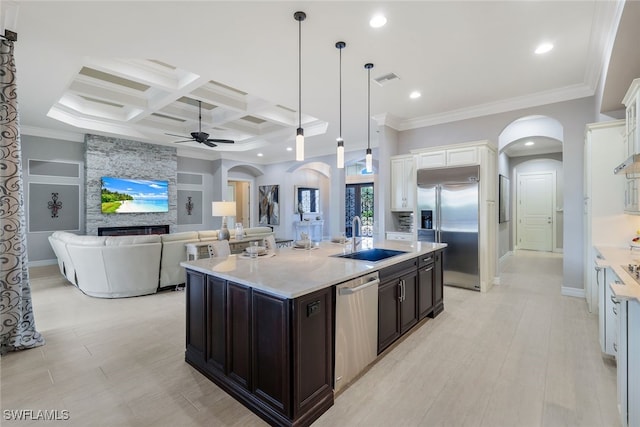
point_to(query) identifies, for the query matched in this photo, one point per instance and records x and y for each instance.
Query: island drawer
(398, 269)
(426, 259)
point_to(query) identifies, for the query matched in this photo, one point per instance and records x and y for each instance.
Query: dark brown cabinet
(388, 314)
(426, 281)
(238, 334)
(408, 301)
(438, 281)
(273, 354)
(408, 292)
(397, 302)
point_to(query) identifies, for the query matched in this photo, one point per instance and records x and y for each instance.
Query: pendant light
(300, 16)
(369, 156)
(340, 150)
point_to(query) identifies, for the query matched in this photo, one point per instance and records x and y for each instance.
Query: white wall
(573, 115)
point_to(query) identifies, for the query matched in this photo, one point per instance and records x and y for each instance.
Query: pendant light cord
(300, 74)
(369, 107)
(340, 97)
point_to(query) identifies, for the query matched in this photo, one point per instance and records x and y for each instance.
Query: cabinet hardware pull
(614, 311)
(614, 300)
(400, 290)
(404, 290)
(615, 347)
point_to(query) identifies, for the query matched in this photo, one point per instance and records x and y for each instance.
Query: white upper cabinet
(462, 156)
(403, 183)
(632, 103)
(432, 159)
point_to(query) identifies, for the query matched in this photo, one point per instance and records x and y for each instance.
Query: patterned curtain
(17, 324)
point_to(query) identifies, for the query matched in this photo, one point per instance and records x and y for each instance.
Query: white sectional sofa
(108, 266)
(173, 253)
(126, 266)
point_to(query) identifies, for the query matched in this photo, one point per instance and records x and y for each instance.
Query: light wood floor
(519, 355)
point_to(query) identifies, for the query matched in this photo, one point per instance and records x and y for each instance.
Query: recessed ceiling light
(543, 48)
(378, 21)
(529, 143)
(289, 149)
(415, 94)
(260, 154)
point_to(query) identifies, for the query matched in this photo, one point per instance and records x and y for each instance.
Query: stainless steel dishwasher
(356, 327)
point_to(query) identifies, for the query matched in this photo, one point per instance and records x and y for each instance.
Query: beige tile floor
(519, 355)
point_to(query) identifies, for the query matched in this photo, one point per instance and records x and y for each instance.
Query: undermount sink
(373, 255)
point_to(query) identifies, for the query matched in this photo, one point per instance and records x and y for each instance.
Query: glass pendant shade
(340, 154)
(369, 161)
(300, 145)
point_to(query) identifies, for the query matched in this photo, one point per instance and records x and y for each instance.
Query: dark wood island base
(274, 355)
(274, 351)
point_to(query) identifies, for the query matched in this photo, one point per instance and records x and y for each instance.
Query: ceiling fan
(202, 137)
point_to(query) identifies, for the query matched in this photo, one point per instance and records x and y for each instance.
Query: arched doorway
(530, 158)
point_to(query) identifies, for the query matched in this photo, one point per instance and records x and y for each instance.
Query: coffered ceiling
(137, 70)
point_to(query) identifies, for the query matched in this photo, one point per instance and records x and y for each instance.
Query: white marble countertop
(295, 272)
(615, 258)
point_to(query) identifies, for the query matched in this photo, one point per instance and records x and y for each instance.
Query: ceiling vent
(387, 78)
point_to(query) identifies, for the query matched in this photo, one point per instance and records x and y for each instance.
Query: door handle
(349, 291)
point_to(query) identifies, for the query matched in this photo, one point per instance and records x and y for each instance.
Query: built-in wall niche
(189, 207)
(43, 197)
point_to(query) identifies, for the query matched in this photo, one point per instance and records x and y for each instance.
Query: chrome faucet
(355, 231)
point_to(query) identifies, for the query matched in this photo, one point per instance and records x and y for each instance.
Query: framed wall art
(268, 205)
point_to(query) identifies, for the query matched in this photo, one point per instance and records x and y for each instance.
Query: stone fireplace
(121, 158)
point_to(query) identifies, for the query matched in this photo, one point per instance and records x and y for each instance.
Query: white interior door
(244, 204)
(536, 200)
(231, 197)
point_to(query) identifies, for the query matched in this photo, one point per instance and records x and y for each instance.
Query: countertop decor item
(189, 205)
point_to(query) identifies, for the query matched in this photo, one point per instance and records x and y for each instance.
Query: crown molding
(542, 98)
(387, 119)
(605, 27)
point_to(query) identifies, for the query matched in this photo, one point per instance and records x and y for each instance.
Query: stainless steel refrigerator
(448, 203)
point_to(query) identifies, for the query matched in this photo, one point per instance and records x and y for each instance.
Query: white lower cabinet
(628, 346)
(406, 237)
(607, 311)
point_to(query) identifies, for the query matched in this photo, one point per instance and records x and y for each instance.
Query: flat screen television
(126, 195)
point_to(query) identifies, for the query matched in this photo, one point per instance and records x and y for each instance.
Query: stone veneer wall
(122, 158)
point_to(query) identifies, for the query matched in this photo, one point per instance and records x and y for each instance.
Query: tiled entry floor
(519, 355)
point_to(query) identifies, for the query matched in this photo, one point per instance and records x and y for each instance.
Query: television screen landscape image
(125, 195)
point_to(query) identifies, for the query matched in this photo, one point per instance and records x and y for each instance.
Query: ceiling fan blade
(209, 144)
(186, 140)
(179, 136)
(223, 141)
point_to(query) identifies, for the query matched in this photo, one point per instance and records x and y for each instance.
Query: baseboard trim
(43, 262)
(573, 292)
(503, 257)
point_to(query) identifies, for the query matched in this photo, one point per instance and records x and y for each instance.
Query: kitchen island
(263, 329)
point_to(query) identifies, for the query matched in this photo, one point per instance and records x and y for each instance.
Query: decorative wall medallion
(189, 205)
(54, 205)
